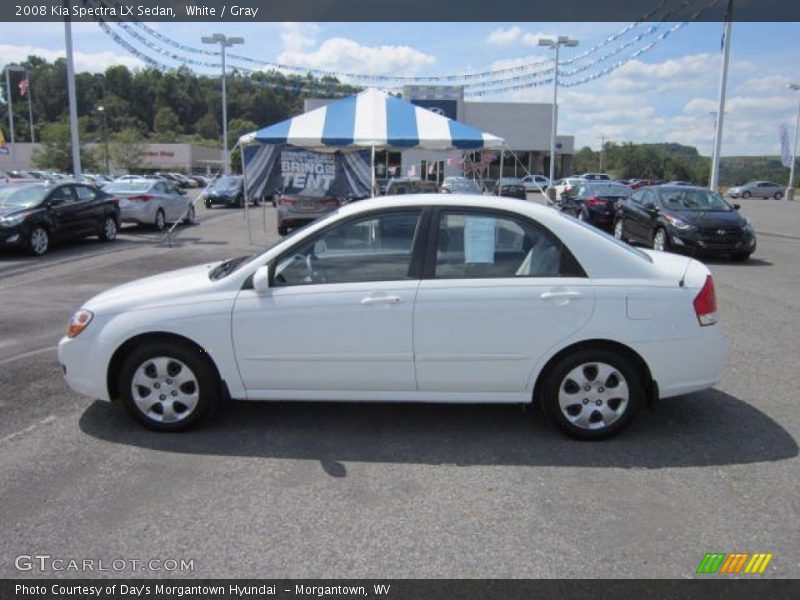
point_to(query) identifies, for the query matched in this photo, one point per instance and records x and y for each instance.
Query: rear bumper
(146, 213)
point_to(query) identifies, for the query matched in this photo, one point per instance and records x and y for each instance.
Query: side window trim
(429, 267)
(415, 265)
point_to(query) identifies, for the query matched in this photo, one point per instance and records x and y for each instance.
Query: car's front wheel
(108, 231)
(778, 195)
(38, 241)
(619, 230)
(661, 240)
(593, 393)
(746, 194)
(161, 220)
(168, 386)
(191, 216)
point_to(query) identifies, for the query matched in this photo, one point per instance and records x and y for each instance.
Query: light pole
(10, 101)
(102, 111)
(224, 42)
(555, 44)
(795, 87)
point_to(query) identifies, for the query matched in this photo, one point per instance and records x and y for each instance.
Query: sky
(664, 95)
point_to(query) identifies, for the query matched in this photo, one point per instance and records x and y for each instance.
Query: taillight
(594, 201)
(284, 201)
(705, 303)
(328, 202)
(142, 198)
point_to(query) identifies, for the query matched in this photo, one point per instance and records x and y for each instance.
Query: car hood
(709, 218)
(181, 286)
(7, 211)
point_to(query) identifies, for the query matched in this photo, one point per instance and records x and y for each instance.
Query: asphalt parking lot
(360, 490)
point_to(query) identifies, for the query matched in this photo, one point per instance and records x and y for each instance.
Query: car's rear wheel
(593, 393)
(778, 195)
(282, 230)
(38, 241)
(741, 256)
(108, 231)
(746, 194)
(161, 220)
(661, 240)
(168, 386)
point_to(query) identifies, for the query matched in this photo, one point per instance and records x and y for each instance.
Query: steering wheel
(314, 275)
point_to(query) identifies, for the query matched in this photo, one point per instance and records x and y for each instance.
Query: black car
(33, 215)
(227, 190)
(594, 202)
(684, 219)
(510, 187)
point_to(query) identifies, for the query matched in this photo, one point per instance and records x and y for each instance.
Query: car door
(173, 202)
(90, 210)
(65, 220)
(638, 224)
(498, 293)
(338, 315)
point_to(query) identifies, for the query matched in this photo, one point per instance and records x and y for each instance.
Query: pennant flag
(786, 153)
(3, 147)
(23, 85)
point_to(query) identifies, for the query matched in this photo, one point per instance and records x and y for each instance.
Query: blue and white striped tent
(372, 119)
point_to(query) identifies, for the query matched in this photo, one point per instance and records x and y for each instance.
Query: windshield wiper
(227, 267)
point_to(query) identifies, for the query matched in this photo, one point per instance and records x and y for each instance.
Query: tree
(56, 150)
(127, 150)
(207, 127)
(166, 123)
(237, 128)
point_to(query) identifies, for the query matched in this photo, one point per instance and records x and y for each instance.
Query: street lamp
(790, 189)
(102, 111)
(555, 44)
(224, 42)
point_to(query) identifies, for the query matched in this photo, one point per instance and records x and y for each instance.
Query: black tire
(558, 376)
(740, 256)
(778, 196)
(161, 221)
(190, 217)
(200, 366)
(239, 201)
(38, 241)
(619, 230)
(746, 194)
(667, 242)
(108, 229)
(283, 230)
(208, 204)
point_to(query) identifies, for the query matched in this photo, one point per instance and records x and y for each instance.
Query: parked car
(510, 187)
(227, 190)
(593, 176)
(295, 211)
(201, 180)
(685, 219)
(460, 185)
(635, 184)
(567, 186)
(183, 180)
(536, 183)
(151, 202)
(406, 185)
(757, 189)
(33, 216)
(679, 183)
(594, 201)
(516, 304)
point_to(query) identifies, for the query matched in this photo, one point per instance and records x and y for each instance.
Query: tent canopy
(373, 119)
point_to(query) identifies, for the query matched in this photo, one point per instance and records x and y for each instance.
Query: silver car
(151, 202)
(757, 189)
(295, 210)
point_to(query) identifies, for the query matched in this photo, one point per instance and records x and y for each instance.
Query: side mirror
(261, 280)
(182, 191)
(650, 207)
(737, 206)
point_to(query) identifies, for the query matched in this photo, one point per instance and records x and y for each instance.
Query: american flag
(23, 85)
(786, 153)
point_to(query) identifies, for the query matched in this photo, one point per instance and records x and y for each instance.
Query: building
(525, 126)
(183, 158)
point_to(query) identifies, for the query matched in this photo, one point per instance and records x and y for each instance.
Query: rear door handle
(380, 300)
(565, 295)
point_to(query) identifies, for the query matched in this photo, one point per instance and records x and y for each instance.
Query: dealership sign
(307, 173)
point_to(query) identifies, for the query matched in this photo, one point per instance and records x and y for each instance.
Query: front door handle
(563, 297)
(380, 300)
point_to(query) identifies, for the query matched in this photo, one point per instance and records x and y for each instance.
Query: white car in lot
(426, 298)
(151, 202)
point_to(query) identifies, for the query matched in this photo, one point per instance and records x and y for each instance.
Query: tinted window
(477, 245)
(129, 186)
(62, 195)
(85, 193)
(369, 249)
(693, 199)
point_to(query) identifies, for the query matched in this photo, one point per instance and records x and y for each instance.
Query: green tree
(166, 124)
(56, 150)
(127, 150)
(207, 127)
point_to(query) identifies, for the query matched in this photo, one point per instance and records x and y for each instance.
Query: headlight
(78, 322)
(12, 220)
(748, 225)
(678, 223)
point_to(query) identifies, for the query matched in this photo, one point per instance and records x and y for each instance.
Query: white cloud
(342, 54)
(769, 84)
(510, 35)
(93, 62)
(296, 37)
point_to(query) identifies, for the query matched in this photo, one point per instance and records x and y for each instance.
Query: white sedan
(427, 298)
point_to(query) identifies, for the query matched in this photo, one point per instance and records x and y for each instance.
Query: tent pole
(246, 198)
(372, 175)
(499, 187)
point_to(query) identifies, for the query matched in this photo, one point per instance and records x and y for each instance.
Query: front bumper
(84, 363)
(212, 200)
(728, 242)
(12, 236)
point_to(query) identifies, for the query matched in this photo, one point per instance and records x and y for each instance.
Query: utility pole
(11, 118)
(602, 150)
(790, 188)
(726, 54)
(73, 104)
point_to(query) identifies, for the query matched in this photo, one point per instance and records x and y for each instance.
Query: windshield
(694, 199)
(226, 183)
(510, 181)
(128, 186)
(20, 196)
(608, 189)
(465, 186)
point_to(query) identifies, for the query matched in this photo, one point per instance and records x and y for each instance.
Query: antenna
(682, 282)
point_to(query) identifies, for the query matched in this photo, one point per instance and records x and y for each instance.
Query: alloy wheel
(660, 240)
(593, 395)
(40, 241)
(165, 390)
(110, 229)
